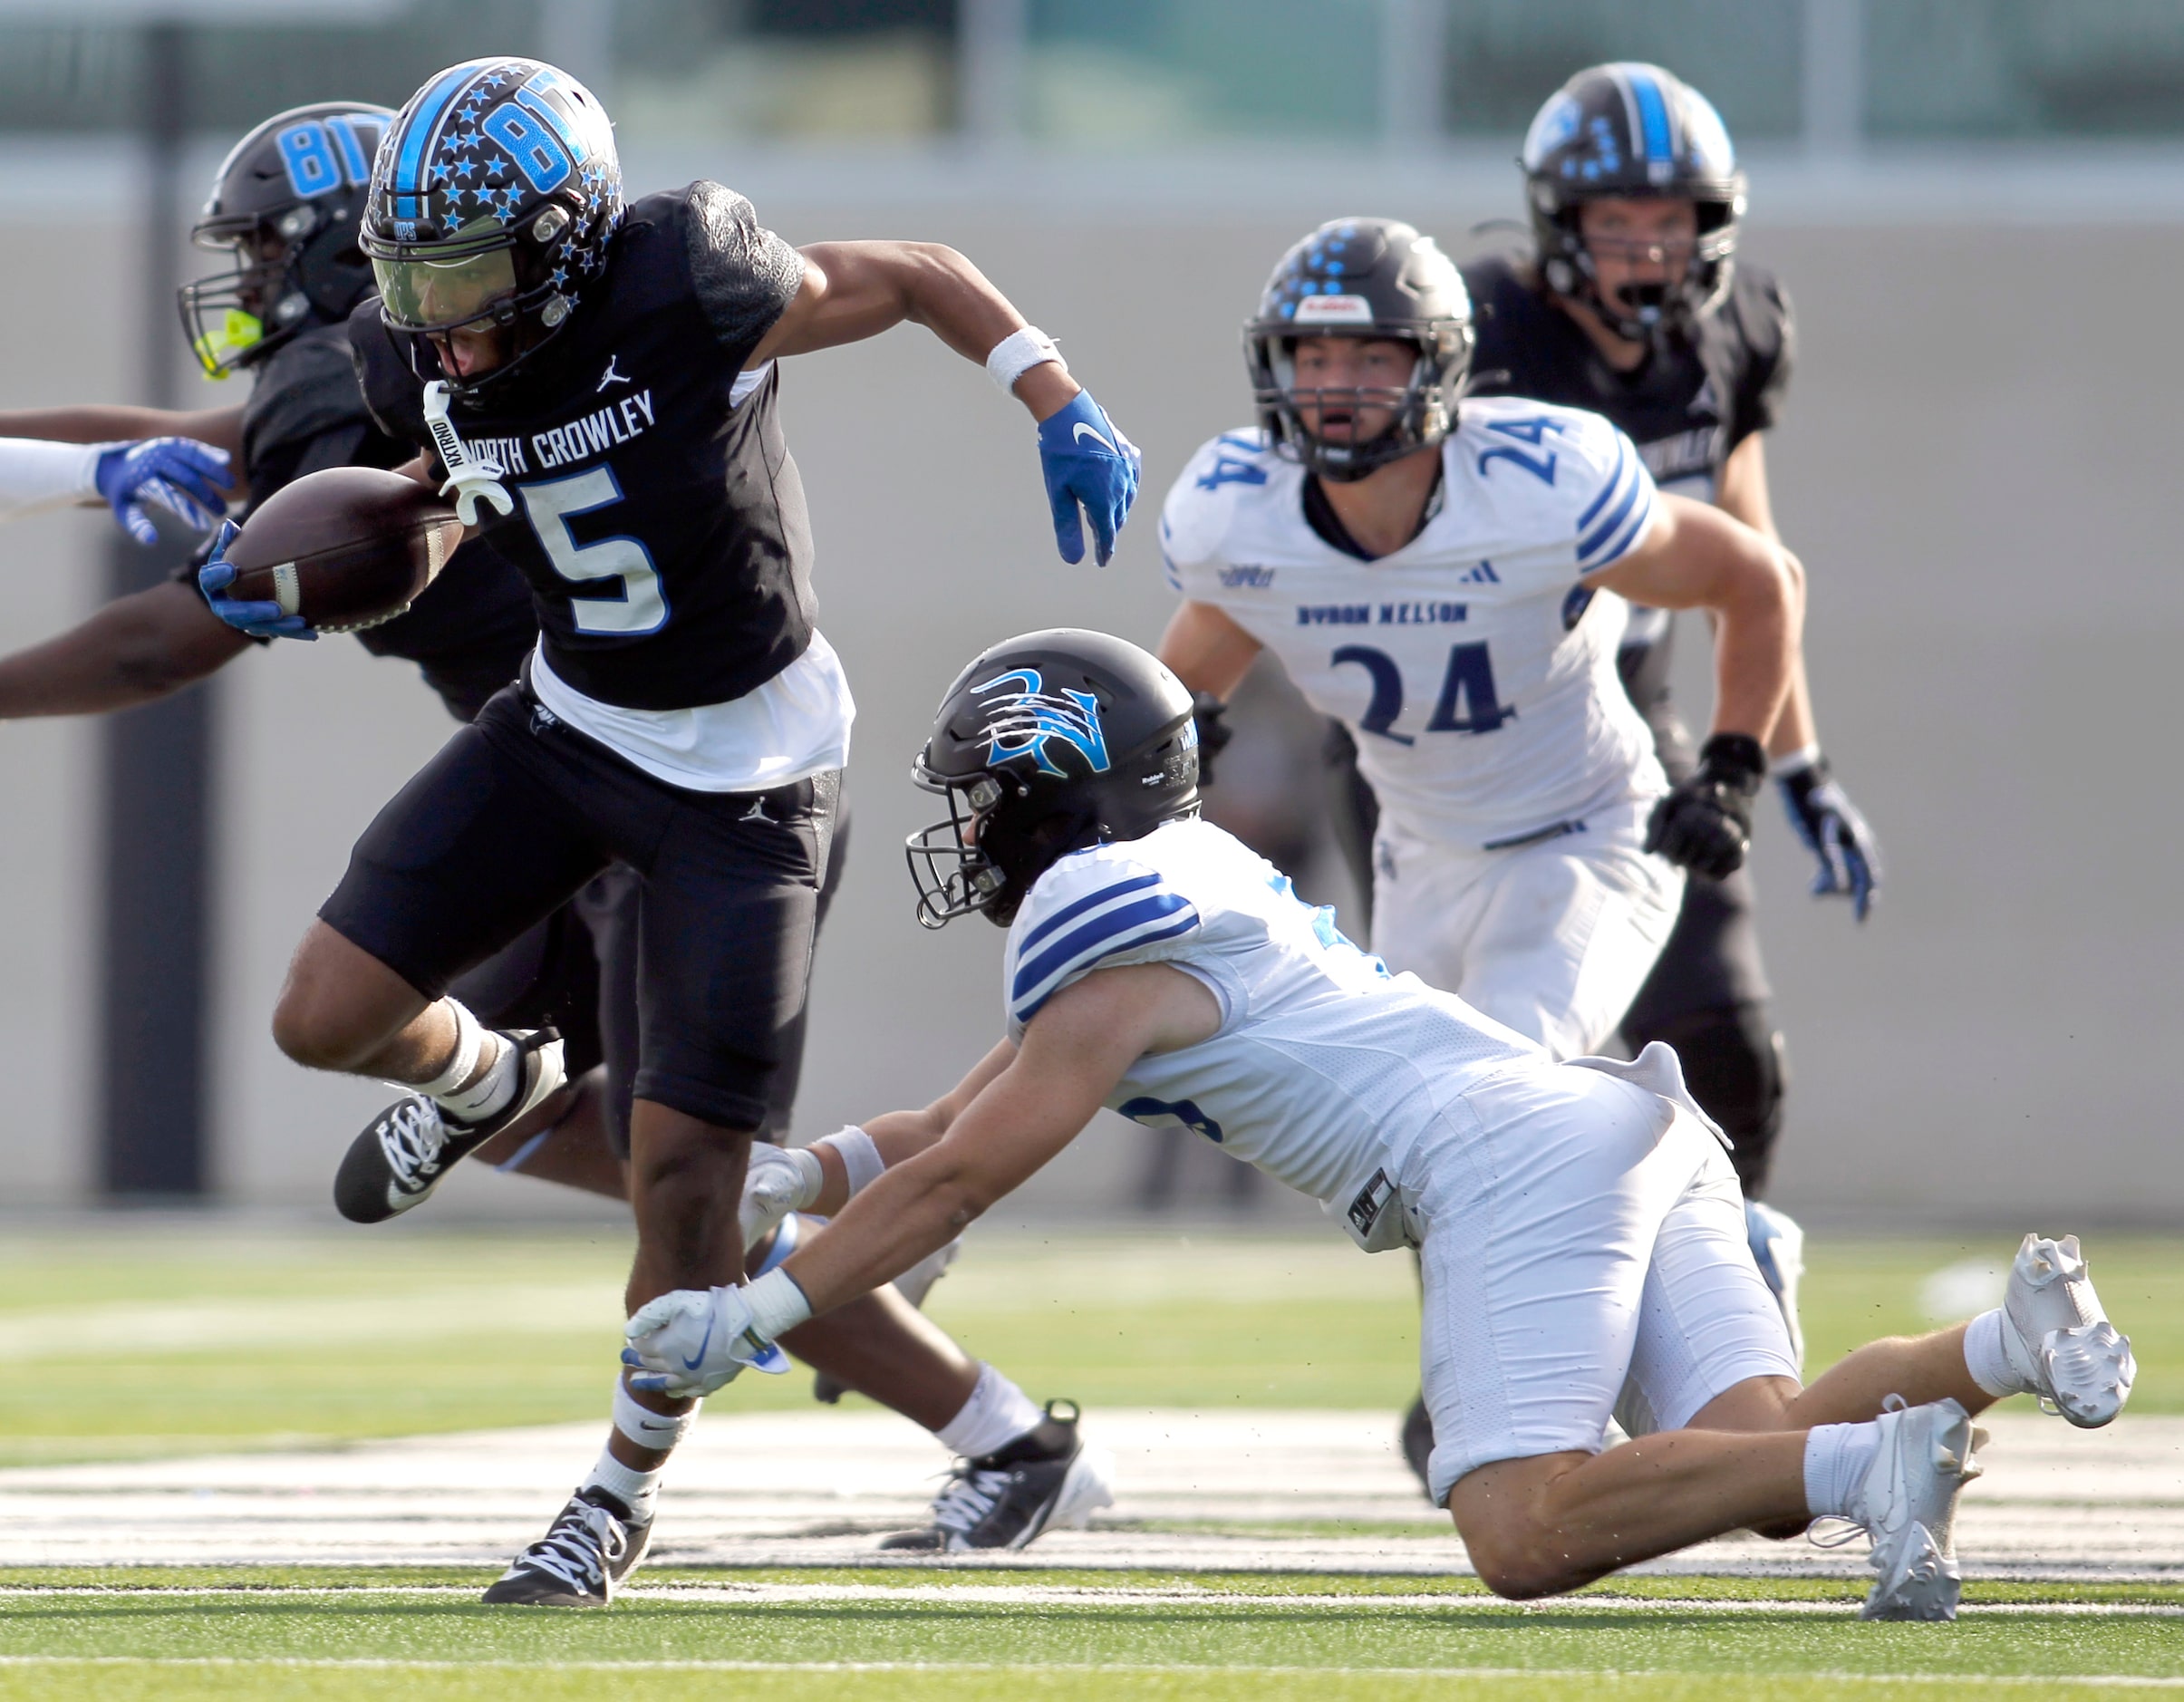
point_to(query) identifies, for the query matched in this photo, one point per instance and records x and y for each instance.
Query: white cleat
(2058, 1338)
(1908, 1506)
(1778, 1248)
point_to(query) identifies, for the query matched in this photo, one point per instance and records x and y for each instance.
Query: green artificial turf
(1295, 1636)
(164, 1341)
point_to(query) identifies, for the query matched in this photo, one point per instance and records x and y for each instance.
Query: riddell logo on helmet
(1334, 310)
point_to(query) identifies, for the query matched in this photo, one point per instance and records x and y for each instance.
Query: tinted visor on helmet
(418, 294)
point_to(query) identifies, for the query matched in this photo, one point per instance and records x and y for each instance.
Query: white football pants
(1583, 1240)
(1553, 939)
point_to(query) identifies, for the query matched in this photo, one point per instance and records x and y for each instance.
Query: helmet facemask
(1644, 313)
(1422, 409)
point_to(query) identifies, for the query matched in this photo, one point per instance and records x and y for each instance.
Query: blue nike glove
(179, 475)
(1834, 832)
(1088, 465)
(259, 620)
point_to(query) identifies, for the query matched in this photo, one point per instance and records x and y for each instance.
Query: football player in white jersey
(1439, 578)
(1157, 966)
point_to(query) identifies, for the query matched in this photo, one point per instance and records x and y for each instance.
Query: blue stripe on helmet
(417, 133)
(1653, 117)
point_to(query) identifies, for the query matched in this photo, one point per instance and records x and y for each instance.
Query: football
(345, 549)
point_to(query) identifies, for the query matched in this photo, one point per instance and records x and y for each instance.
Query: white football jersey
(1325, 1068)
(1474, 666)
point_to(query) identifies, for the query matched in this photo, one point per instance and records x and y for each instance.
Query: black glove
(1835, 833)
(1705, 823)
(1206, 710)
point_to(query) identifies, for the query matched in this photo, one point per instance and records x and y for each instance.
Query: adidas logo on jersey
(1482, 574)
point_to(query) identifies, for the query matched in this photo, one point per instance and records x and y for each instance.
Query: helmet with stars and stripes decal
(493, 198)
(1632, 130)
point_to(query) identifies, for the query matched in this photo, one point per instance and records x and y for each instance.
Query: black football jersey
(661, 525)
(468, 632)
(1686, 409)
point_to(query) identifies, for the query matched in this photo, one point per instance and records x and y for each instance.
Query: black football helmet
(286, 206)
(1373, 278)
(493, 200)
(1632, 130)
(1044, 745)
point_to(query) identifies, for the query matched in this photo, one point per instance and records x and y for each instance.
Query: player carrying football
(285, 208)
(1580, 1229)
(598, 383)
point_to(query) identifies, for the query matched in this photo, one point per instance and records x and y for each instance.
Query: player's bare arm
(1030, 1106)
(1206, 650)
(1697, 557)
(856, 290)
(105, 422)
(1073, 1053)
(135, 650)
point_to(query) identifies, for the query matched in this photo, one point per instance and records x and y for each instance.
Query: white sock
(1988, 1357)
(1837, 1458)
(997, 1412)
(493, 1091)
(638, 1491)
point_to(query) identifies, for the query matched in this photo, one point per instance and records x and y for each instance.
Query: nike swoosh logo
(1080, 431)
(693, 1363)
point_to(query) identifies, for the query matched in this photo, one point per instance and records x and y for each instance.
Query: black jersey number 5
(1469, 682)
(628, 601)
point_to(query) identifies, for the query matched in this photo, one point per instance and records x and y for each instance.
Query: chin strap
(471, 478)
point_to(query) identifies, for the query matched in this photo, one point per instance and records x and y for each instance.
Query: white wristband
(1018, 352)
(777, 1304)
(860, 1158)
(1795, 762)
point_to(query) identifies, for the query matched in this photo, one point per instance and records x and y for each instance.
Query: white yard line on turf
(1195, 1492)
(2132, 1682)
(1092, 1595)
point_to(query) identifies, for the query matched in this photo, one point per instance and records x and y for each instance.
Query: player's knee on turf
(1518, 1551)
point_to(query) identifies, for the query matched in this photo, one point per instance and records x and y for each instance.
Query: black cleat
(398, 1160)
(1418, 1443)
(589, 1549)
(1009, 1497)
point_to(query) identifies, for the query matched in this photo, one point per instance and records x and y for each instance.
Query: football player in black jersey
(1636, 305)
(286, 204)
(597, 385)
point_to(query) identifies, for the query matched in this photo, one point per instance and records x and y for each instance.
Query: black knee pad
(1736, 1067)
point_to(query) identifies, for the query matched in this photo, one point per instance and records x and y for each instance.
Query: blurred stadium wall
(1980, 213)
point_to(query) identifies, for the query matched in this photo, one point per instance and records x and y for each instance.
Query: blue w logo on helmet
(1022, 721)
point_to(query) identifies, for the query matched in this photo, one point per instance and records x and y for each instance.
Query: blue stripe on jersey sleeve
(1614, 479)
(1069, 913)
(1628, 536)
(1590, 544)
(1154, 918)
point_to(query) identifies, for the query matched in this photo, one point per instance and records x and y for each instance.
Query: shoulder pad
(392, 391)
(745, 276)
(305, 388)
(1196, 513)
(1090, 909)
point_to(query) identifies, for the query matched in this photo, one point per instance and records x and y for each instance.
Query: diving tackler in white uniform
(1413, 1116)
